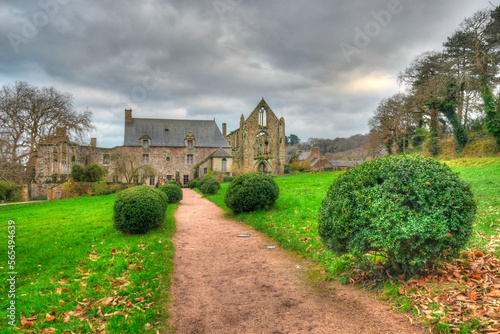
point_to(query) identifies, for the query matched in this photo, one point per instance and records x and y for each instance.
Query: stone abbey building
(259, 143)
(172, 149)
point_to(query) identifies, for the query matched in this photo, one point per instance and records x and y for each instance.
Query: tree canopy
(447, 91)
(30, 114)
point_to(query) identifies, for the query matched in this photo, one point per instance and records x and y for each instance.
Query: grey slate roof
(314, 161)
(206, 133)
(338, 163)
(221, 154)
(304, 156)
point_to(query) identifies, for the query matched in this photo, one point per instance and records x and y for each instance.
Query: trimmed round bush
(210, 185)
(194, 183)
(201, 181)
(412, 210)
(173, 192)
(173, 182)
(251, 192)
(140, 209)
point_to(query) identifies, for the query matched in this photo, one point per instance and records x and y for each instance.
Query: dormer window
(145, 141)
(189, 141)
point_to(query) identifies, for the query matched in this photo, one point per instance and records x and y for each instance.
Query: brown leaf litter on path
(226, 282)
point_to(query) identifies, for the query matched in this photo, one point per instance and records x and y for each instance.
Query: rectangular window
(105, 159)
(115, 178)
(136, 179)
(186, 180)
(190, 144)
(205, 171)
(189, 159)
(151, 181)
(145, 158)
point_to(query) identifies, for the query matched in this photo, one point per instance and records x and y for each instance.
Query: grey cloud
(210, 64)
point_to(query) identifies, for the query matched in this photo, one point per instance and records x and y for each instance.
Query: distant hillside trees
(327, 146)
(28, 115)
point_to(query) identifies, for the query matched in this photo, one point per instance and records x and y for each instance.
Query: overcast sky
(323, 65)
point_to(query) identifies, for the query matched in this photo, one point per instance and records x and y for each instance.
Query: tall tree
(29, 114)
(479, 38)
(292, 140)
(393, 121)
(434, 90)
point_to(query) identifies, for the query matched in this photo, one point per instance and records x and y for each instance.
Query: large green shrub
(77, 173)
(410, 209)
(210, 185)
(250, 192)
(173, 192)
(139, 209)
(89, 173)
(8, 190)
(194, 183)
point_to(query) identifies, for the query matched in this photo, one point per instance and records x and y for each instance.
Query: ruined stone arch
(263, 167)
(262, 145)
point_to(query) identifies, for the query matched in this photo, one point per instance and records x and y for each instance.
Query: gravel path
(225, 283)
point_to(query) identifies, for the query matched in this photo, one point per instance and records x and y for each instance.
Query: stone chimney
(128, 115)
(224, 129)
(93, 142)
(315, 152)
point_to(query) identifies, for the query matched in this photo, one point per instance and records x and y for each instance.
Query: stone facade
(180, 151)
(174, 149)
(259, 143)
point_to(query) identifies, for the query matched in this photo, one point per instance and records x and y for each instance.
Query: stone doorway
(262, 168)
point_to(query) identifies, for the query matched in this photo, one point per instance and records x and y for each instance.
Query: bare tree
(29, 114)
(128, 165)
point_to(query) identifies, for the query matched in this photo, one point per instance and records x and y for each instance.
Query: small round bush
(210, 185)
(251, 192)
(140, 209)
(173, 192)
(228, 178)
(173, 182)
(201, 181)
(194, 183)
(410, 209)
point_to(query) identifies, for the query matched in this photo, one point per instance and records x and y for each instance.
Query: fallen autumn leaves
(465, 290)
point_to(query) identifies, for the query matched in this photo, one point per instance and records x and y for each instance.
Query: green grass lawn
(484, 177)
(76, 272)
(293, 220)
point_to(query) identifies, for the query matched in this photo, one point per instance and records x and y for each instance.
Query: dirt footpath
(228, 283)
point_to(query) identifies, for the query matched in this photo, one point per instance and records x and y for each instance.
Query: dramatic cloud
(323, 65)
